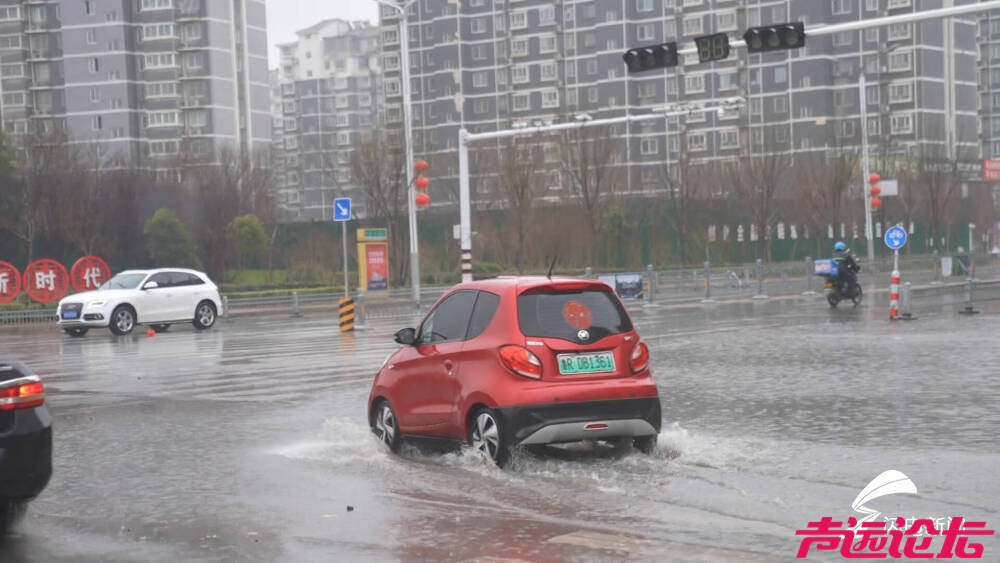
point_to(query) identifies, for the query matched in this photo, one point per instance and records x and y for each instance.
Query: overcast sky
(285, 17)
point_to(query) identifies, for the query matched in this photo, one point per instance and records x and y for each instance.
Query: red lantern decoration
(421, 166)
(874, 179)
(423, 200)
(876, 191)
(876, 204)
(422, 183)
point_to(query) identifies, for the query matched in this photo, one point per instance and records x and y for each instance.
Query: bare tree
(756, 180)
(27, 202)
(588, 160)
(823, 183)
(685, 181)
(378, 165)
(516, 163)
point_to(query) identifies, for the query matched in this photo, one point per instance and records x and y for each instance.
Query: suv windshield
(124, 281)
(562, 315)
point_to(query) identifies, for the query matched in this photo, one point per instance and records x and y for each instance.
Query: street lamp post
(411, 192)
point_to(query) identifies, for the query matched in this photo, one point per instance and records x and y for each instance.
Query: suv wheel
(204, 315)
(385, 427)
(486, 437)
(11, 511)
(122, 320)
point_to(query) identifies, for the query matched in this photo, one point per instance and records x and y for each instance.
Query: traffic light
(775, 37)
(421, 183)
(875, 191)
(652, 57)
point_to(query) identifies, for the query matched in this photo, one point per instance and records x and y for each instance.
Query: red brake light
(640, 357)
(22, 394)
(521, 361)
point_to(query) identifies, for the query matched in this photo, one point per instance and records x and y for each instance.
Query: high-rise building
(488, 64)
(141, 80)
(325, 97)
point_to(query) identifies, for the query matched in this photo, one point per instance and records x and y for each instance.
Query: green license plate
(575, 364)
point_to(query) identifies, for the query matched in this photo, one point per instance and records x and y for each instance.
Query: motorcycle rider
(847, 267)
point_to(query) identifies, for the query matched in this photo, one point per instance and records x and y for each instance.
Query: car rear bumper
(586, 420)
(25, 452)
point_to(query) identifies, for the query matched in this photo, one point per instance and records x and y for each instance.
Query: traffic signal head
(775, 37)
(653, 57)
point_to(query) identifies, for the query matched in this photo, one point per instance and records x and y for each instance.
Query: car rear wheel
(204, 315)
(122, 320)
(486, 437)
(161, 328)
(76, 332)
(385, 427)
(645, 444)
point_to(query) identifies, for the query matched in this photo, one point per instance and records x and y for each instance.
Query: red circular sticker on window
(10, 283)
(89, 273)
(578, 315)
(46, 281)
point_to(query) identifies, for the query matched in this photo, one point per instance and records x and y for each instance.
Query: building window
(159, 60)
(900, 92)
(480, 79)
(843, 39)
(649, 146)
(644, 5)
(520, 74)
(900, 4)
(549, 71)
(519, 48)
(550, 99)
(162, 119)
(96, 123)
(547, 44)
(843, 98)
(93, 65)
(729, 139)
(518, 20)
(158, 31)
(546, 15)
(148, 5)
(725, 21)
(694, 84)
(521, 102)
(901, 124)
(95, 94)
(900, 62)
(780, 105)
(478, 25)
(899, 31)
(872, 95)
(644, 32)
(693, 25)
(696, 142)
(842, 7)
(390, 37)
(780, 75)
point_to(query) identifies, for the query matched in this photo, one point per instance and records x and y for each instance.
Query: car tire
(11, 512)
(122, 320)
(76, 332)
(205, 315)
(160, 328)
(645, 444)
(487, 438)
(385, 426)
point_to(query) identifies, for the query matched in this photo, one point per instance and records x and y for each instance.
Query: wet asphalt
(249, 443)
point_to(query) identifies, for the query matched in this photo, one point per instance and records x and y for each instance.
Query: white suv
(157, 298)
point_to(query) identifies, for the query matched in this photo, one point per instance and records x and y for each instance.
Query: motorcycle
(837, 291)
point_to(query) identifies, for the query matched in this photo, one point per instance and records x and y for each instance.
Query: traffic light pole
(859, 25)
(465, 138)
(866, 174)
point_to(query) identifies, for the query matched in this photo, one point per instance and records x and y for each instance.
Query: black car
(25, 439)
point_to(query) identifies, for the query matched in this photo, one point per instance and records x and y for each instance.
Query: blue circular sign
(895, 237)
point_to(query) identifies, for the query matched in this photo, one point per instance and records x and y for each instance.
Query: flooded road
(249, 443)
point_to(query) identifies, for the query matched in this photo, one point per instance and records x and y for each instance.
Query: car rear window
(562, 314)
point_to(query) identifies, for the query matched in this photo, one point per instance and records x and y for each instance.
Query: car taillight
(522, 362)
(21, 394)
(640, 357)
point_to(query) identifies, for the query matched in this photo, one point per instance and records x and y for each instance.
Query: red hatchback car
(519, 360)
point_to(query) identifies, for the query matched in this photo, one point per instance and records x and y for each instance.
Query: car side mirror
(407, 336)
(151, 285)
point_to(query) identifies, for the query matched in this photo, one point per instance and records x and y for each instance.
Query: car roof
(521, 284)
(160, 270)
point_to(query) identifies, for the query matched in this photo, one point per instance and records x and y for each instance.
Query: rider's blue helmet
(840, 246)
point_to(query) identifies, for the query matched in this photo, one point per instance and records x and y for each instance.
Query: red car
(519, 360)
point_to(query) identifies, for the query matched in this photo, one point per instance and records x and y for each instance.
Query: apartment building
(489, 64)
(139, 80)
(325, 97)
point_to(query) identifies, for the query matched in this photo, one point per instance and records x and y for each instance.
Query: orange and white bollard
(894, 297)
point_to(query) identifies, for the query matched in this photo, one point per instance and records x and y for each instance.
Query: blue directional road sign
(895, 237)
(342, 209)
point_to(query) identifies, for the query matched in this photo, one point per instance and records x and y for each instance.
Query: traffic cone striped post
(894, 297)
